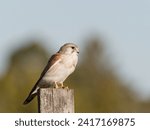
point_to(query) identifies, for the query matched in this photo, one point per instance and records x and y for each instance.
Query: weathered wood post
(52, 100)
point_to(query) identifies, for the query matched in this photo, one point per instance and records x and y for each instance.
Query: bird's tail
(29, 98)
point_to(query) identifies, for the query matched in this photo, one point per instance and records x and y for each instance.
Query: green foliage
(25, 67)
(97, 87)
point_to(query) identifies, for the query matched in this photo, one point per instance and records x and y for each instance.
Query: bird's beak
(77, 50)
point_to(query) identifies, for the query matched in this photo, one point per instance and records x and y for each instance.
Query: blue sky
(124, 24)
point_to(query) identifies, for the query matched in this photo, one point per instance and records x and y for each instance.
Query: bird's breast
(70, 61)
(62, 69)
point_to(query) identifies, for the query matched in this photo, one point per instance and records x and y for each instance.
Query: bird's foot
(56, 85)
(60, 85)
(65, 87)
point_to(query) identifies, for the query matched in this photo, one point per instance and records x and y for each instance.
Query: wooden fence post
(52, 100)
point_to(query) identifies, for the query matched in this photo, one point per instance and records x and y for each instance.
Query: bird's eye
(72, 47)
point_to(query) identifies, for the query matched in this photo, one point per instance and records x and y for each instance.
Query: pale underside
(59, 71)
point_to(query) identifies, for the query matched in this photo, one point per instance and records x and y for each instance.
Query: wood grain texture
(52, 100)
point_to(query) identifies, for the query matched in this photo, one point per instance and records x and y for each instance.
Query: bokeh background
(113, 36)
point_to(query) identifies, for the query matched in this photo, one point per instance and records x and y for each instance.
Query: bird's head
(69, 48)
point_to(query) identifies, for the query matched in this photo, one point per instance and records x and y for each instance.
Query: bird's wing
(52, 61)
(55, 58)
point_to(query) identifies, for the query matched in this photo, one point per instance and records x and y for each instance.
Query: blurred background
(113, 37)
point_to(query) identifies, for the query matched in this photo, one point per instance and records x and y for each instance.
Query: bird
(60, 65)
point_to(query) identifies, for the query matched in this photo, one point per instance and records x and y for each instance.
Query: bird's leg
(55, 85)
(61, 84)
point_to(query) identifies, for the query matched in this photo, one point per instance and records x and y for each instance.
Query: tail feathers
(29, 98)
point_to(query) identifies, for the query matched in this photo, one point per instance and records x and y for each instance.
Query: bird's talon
(65, 87)
(55, 85)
